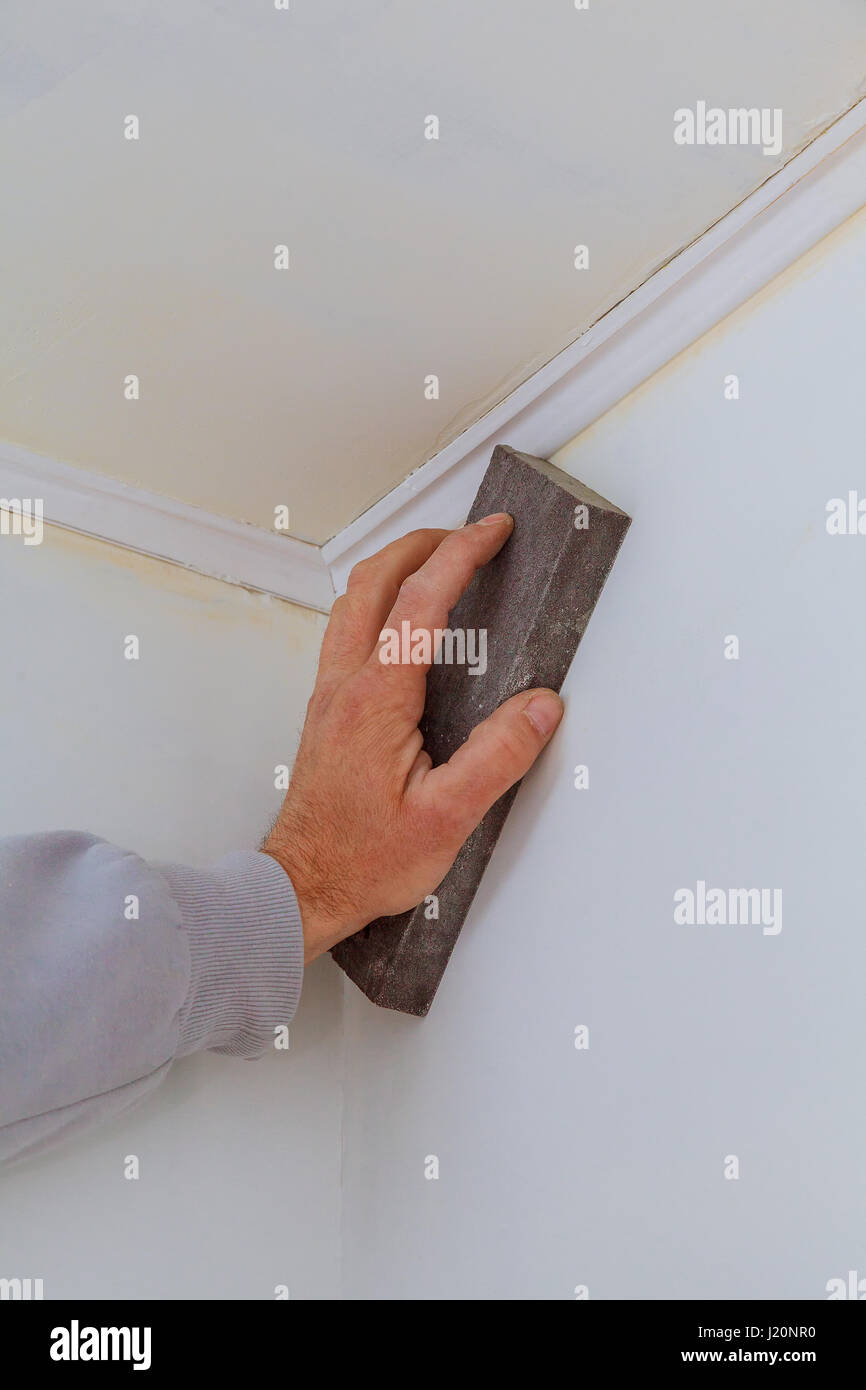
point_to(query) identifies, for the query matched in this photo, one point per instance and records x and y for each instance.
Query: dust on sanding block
(534, 599)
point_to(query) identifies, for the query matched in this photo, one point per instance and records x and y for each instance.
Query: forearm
(112, 967)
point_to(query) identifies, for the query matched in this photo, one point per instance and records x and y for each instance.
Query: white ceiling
(408, 256)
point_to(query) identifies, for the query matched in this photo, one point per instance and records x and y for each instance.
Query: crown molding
(758, 239)
(711, 277)
(168, 530)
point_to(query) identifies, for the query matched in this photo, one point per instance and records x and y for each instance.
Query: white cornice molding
(757, 240)
(814, 192)
(168, 530)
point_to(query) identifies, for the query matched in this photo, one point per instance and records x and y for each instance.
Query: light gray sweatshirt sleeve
(110, 968)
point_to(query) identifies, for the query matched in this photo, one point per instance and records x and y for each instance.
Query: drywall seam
(167, 530)
(815, 191)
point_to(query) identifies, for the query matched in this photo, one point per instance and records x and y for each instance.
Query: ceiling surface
(409, 257)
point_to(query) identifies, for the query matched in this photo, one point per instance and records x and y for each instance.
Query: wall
(172, 756)
(559, 1167)
(605, 1167)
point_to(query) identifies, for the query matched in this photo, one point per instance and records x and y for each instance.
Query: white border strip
(815, 191)
(158, 526)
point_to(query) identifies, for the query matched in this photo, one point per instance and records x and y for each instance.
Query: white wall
(171, 756)
(604, 1167)
(558, 1167)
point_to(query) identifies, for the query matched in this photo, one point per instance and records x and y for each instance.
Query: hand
(369, 827)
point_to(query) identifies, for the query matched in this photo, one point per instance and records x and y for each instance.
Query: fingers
(427, 595)
(358, 615)
(497, 754)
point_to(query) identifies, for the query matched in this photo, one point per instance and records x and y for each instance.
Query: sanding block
(534, 600)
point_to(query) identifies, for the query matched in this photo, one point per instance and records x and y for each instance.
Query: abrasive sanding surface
(534, 599)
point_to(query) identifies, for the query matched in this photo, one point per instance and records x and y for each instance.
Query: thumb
(496, 754)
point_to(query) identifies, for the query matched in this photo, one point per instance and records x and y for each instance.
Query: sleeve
(111, 967)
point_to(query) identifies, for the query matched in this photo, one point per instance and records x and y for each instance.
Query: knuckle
(319, 700)
(361, 573)
(413, 591)
(462, 541)
(513, 743)
(428, 536)
(340, 726)
(339, 609)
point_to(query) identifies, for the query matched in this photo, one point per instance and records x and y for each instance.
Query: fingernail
(496, 519)
(544, 710)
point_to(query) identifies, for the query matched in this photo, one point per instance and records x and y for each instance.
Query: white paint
(602, 1168)
(171, 755)
(409, 257)
(160, 527)
(816, 191)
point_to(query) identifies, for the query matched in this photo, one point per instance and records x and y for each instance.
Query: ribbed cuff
(246, 942)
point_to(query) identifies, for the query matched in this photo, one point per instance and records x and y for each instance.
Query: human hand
(369, 827)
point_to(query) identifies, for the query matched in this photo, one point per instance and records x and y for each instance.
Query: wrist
(321, 928)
